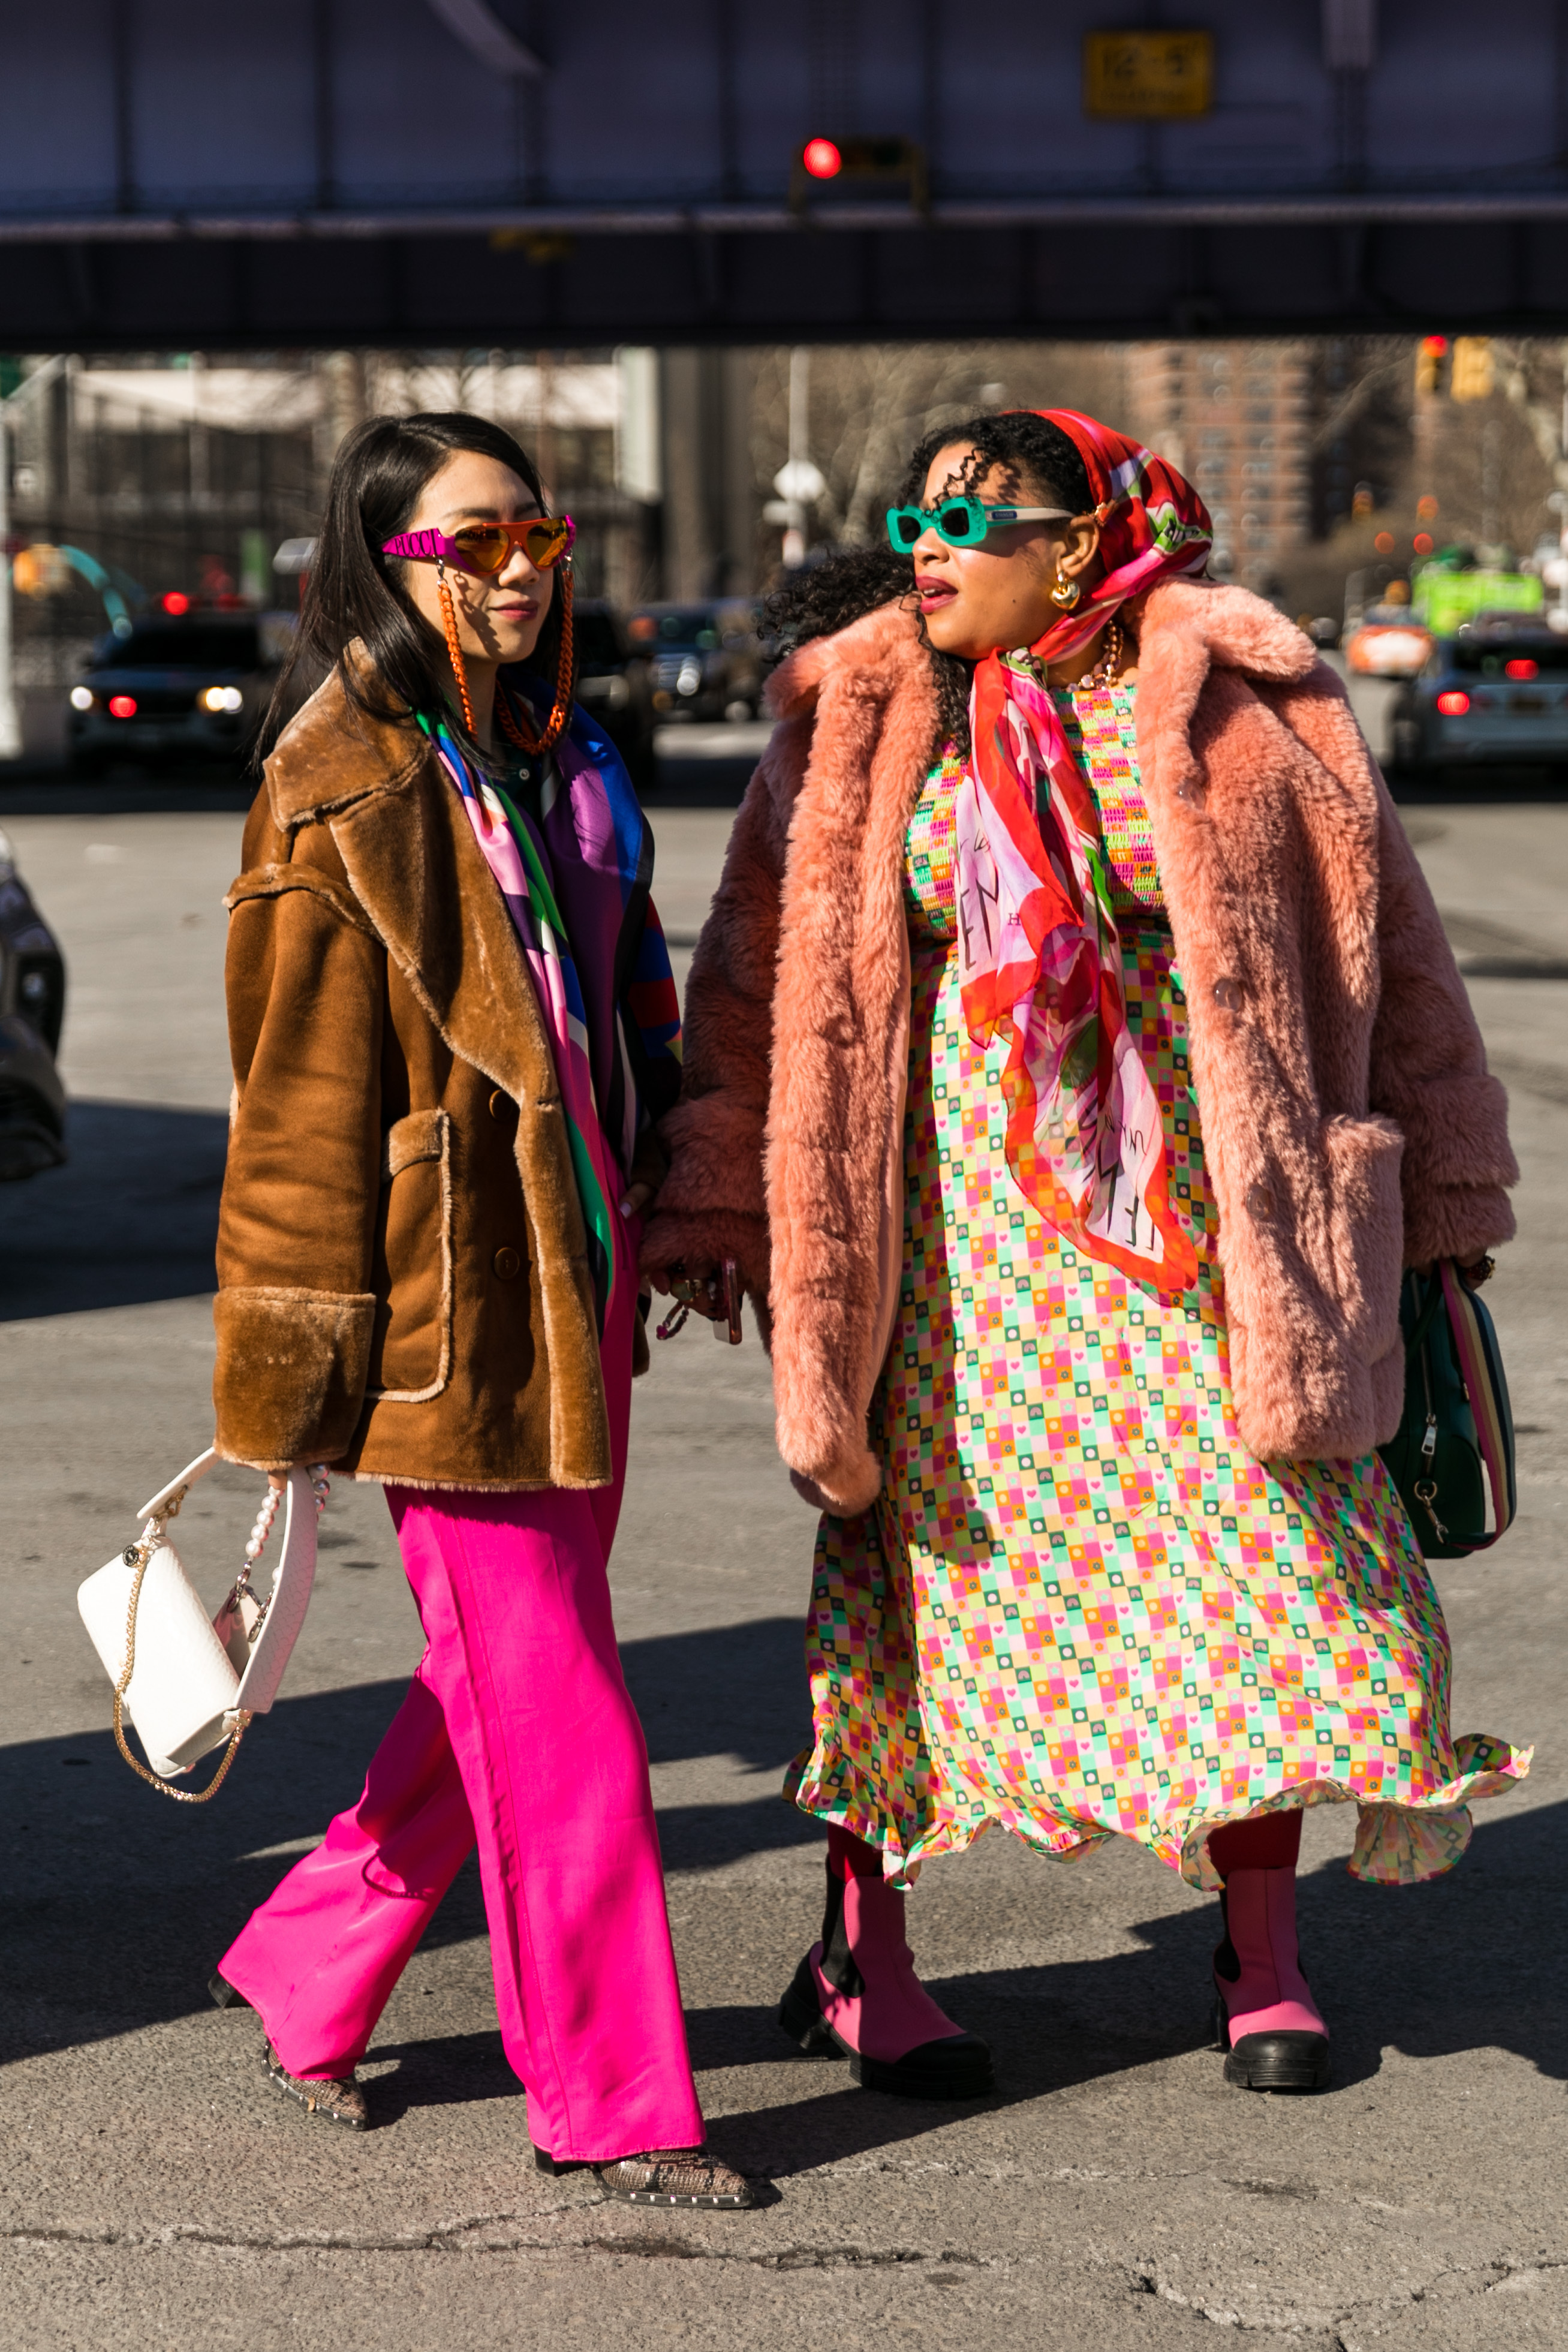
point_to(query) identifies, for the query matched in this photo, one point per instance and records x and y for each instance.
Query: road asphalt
(1113, 2193)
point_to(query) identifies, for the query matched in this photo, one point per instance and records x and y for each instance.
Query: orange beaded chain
(454, 647)
(516, 729)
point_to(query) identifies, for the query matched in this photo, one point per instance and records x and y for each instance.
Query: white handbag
(189, 1683)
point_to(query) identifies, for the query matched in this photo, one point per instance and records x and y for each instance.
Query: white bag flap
(184, 1685)
(187, 1477)
(291, 1583)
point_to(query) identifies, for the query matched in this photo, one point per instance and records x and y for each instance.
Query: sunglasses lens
(904, 527)
(955, 523)
(484, 546)
(545, 541)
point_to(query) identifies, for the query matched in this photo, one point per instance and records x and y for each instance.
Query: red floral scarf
(1039, 960)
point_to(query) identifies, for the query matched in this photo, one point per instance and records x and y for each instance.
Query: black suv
(32, 1008)
(705, 661)
(613, 685)
(195, 687)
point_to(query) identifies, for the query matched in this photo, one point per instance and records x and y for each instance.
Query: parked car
(1386, 642)
(192, 688)
(32, 1008)
(1497, 692)
(705, 661)
(613, 685)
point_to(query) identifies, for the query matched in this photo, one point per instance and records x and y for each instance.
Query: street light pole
(10, 718)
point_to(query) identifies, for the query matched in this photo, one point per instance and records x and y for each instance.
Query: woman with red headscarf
(1074, 1062)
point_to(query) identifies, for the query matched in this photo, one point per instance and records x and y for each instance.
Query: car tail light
(122, 706)
(1454, 703)
(1522, 670)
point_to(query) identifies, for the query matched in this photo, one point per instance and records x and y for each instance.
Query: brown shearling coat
(1349, 1122)
(404, 1286)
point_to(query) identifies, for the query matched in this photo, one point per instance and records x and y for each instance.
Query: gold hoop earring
(1066, 592)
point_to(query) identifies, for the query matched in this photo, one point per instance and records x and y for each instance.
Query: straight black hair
(828, 597)
(355, 593)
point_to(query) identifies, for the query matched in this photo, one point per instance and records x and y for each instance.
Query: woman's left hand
(1466, 1265)
(637, 1199)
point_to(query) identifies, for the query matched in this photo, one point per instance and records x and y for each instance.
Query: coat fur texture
(1350, 1125)
(404, 1286)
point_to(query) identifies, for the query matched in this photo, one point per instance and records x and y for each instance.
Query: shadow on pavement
(1475, 787)
(711, 779)
(703, 781)
(118, 1908)
(132, 1217)
(54, 791)
(90, 1843)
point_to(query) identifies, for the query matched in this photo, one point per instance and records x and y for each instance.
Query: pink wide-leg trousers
(517, 1733)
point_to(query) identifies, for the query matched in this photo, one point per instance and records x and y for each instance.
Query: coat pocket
(1366, 1229)
(411, 1354)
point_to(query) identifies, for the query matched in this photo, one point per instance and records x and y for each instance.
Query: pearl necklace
(1104, 671)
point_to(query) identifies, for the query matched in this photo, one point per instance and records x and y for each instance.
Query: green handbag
(1457, 1435)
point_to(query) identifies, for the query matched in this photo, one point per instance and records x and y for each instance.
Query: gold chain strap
(142, 1552)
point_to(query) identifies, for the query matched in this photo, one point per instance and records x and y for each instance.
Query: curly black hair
(1032, 455)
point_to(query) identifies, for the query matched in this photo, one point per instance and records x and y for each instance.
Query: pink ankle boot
(856, 1995)
(1266, 2019)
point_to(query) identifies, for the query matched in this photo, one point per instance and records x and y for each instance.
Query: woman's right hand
(703, 1292)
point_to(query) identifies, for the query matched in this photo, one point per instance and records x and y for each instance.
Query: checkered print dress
(1079, 1606)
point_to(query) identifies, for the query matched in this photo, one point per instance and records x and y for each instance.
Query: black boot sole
(956, 2067)
(1278, 2062)
(1292, 2062)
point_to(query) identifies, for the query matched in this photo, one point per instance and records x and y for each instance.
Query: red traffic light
(821, 159)
(1434, 345)
(176, 602)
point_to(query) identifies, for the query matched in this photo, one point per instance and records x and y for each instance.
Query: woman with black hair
(452, 1024)
(1074, 1060)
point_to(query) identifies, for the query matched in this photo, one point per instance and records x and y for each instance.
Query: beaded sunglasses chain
(483, 550)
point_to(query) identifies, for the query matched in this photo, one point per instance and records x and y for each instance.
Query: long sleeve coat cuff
(292, 1368)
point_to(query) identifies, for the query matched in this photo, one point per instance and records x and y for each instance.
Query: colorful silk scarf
(1039, 960)
(575, 883)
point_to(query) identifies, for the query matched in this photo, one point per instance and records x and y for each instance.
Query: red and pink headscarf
(1039, 960)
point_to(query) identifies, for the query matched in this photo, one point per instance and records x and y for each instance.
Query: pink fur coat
(1349, 1123)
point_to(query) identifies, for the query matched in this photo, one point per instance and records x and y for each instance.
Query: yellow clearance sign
(1147, 73)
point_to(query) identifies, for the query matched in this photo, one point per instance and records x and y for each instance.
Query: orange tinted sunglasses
(485, 547)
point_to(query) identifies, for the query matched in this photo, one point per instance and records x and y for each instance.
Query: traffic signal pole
(10, 717)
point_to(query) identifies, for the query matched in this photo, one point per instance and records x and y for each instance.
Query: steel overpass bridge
(479, 172)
